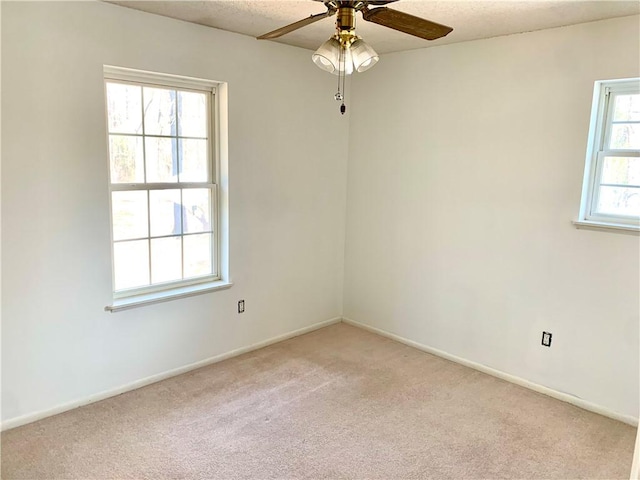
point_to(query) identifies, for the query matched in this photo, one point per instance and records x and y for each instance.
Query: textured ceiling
(470, 20)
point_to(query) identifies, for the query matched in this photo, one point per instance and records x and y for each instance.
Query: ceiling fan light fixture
(327, 56)
(364, 57)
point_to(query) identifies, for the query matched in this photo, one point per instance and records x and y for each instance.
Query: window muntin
(162, 182)
(612, 181)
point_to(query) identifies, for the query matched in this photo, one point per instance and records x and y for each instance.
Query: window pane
(162, 160)
(160, 141)
(193, 161)
(165, 208)
(621, 170)
(131, 264)
(197, 255)
(619, 201)
(159, 111)
(166, 259)
(625, 136)
(193, 114)
(197, 215)
(124, 108)
(626, 108)
(125, 158)
(129, 215)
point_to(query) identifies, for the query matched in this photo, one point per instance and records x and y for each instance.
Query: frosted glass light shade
(364, 57)
(327, 55)
(346, 63)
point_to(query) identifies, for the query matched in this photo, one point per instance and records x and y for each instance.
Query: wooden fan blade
(296, 25)
(352, 3)
(406, 23)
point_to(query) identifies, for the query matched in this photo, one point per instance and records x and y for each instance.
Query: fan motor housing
(346, 18)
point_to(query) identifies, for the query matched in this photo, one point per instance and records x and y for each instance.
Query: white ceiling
(470, 20)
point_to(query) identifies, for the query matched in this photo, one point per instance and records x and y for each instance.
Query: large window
(163, 172)
(611, 193)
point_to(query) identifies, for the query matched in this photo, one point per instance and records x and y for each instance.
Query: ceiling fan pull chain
(338, 96)
(341, 77)
(343, 107)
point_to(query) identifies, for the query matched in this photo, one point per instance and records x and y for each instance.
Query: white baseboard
(32, 417)
(565, 397)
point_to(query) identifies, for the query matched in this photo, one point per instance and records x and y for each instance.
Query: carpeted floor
(336, 403)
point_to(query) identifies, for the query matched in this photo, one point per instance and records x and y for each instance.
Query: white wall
(465, 171)
(287, 200)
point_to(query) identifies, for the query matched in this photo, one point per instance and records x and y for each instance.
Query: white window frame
(599, 133)
(218, 183)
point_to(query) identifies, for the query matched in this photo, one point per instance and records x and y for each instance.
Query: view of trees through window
(619, 186)
(162, 189)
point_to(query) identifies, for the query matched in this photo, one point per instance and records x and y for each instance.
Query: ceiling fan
(345, 51)
(387, 17)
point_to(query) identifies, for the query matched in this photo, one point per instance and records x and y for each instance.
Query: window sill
(612, 227)
(165, 296)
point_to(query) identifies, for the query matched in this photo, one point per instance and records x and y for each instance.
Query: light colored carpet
(336, 403)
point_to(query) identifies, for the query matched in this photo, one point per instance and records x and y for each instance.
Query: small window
(163, 182)
(611, 192)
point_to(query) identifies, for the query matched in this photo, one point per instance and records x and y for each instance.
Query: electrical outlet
(240, 306)
(546, 339)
